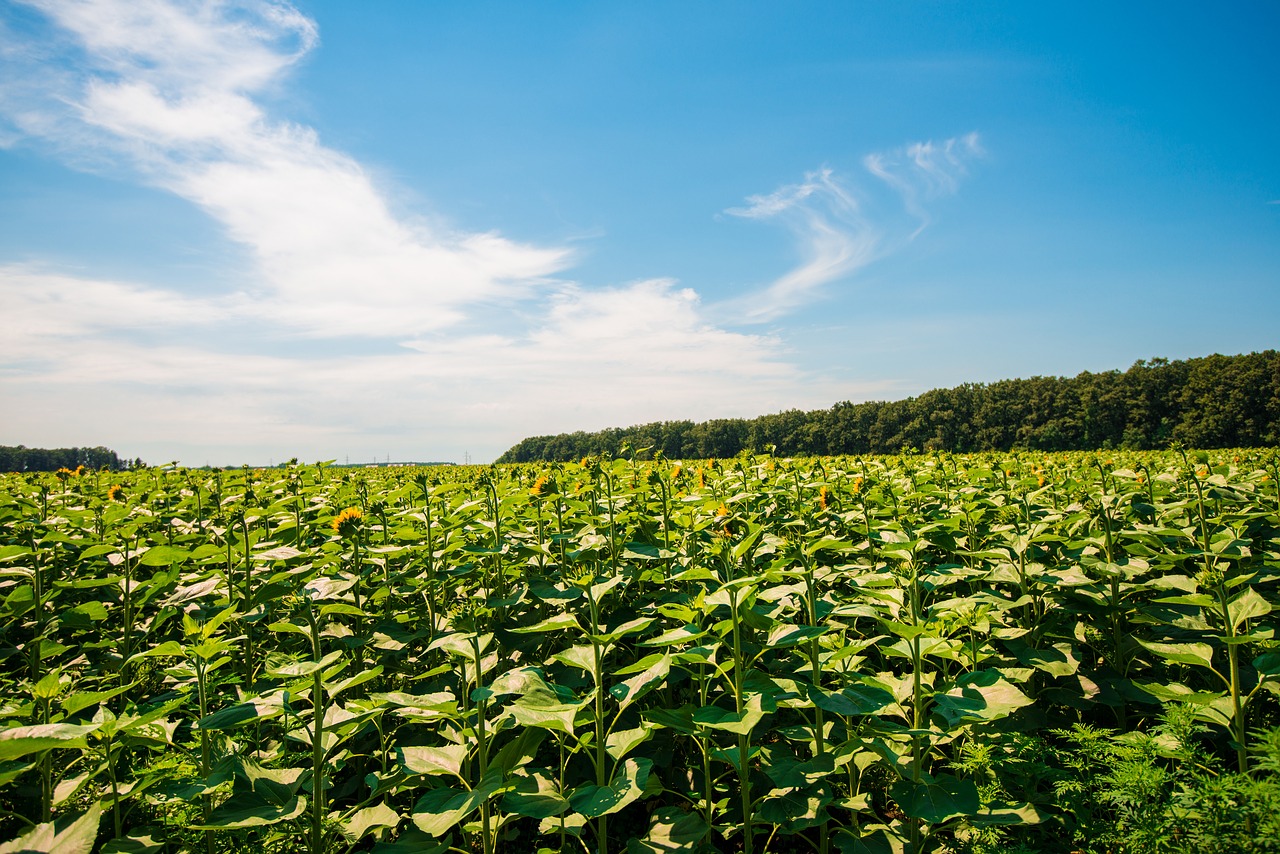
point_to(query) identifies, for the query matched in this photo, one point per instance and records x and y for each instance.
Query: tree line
(1210, 402)
(21, 458)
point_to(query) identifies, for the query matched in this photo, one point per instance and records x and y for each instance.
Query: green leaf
(644, 551)
(1197, 654)
(794, 808)
(194, 591)
(581, 656)
(714, 717)
(370, 818)
(249, 809)
(784, 635)
(683, 634)
(22, 740)
(440, 809)
(359, 679)
(1057, 660)
(529, 712)
(411, 841)
(84, 699)
(535, 795)
(341, 608)
(433, 760)
(234, 716)
(642, 683)
(556, 623)
(671, 830)
(59, 837)
(626, 787)
(857, 699)
(1247, 606)
(984, 695)
(163, 556)
(83, 616)
(935, 802)
(141, 841)
(1009, 814)
(621, 742)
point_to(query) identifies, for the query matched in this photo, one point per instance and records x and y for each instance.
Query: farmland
(928, 652)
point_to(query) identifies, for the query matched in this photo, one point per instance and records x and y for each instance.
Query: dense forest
(1211, 402)
(22, 458)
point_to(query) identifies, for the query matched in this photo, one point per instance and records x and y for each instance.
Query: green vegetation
(21, 458)
(1214, 402)
(922, 653)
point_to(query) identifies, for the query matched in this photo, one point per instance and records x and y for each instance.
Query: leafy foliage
(922, 652)
(1211, 402)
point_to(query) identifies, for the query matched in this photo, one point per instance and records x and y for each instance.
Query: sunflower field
(920, 653)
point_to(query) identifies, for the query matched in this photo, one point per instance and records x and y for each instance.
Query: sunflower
(347, 523)
(543, 486)
(115, 493)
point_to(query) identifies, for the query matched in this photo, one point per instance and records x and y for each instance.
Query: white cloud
(304, 358)
(835, 232)
(924, 171)
(170, 87)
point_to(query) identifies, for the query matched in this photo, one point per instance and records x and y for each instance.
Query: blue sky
(246, 231)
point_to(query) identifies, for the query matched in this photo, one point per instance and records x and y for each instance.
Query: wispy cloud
(924, 171)
(355, 326)
(839, 228)
(171, 89)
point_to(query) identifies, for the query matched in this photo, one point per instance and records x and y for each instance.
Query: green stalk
(613, 535)
(116, 819)
(126, 648)
(1233, 656)
(815, 668)
(205, 758)
(46, 771)
(744, 740)
(917, 704)
(487, 840)
(317, 740)
(37, 581)
(602, 768)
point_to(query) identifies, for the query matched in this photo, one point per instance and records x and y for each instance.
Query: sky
(246, 231)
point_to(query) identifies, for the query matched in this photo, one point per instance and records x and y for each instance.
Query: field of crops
(922, 653)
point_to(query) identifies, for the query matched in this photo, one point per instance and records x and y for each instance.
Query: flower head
(347, 523)
(823, 498)
(543, 486)
(115, 493)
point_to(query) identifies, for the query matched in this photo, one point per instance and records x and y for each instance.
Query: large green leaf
(1194, 653)
(446, 759)
(670, 830)
(626, 787)
(64, 836)
(371, 818)
(22, 740)
(936, 801)
(983, 695)
(249, 809)
(1248, 605)
(440, 809)
(163, 556)
(642, 683)
(555, 623)
(535, 795)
